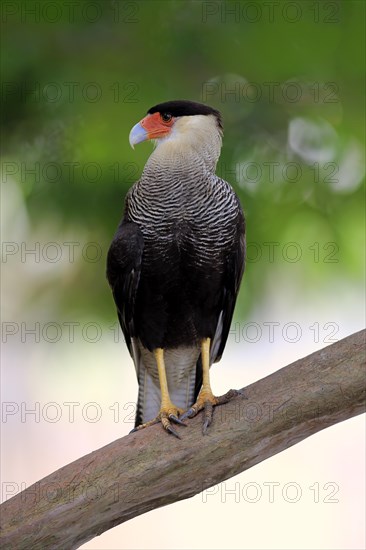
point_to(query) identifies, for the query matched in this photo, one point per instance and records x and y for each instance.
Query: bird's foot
(207, 401)
(168, 413)
(171, 414)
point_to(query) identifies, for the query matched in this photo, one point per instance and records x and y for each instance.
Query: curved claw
(207, 407)
(164, 418)
(167, 425)
(207, 402)
(172, 431)
(190, 413)
(176, 420)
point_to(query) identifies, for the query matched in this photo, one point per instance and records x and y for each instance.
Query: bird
(175, 264)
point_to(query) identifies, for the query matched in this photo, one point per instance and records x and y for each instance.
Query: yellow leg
(206, 399)
(168, 411)
(205, 355)
(165, 398)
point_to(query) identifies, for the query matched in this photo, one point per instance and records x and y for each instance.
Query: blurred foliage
(288, 78)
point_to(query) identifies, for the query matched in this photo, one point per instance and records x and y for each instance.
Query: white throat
(192, 139)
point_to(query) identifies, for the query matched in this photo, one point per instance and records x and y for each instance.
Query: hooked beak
(137, 135)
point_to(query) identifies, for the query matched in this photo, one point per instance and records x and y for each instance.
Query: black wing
(123, 273)
(234, 269)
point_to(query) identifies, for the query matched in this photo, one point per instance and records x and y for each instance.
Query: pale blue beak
(137, 135)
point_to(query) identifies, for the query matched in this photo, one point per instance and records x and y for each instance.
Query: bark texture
(149, 469)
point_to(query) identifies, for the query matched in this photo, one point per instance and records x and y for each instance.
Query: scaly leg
(206, 399)
(168, 411)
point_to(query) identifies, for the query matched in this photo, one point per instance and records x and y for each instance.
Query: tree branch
(149, 469)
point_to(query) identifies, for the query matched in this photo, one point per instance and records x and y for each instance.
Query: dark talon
(206, 425)
(188, 414)
(177, 420)
(208, 407)
(172, 431)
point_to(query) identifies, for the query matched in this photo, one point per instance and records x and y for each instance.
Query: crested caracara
(176, 262)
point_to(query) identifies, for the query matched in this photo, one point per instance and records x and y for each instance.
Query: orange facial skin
(157, 125)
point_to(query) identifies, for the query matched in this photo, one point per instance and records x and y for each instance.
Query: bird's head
(181, 126)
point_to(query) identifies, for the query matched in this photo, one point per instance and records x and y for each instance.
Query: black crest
(181, 107)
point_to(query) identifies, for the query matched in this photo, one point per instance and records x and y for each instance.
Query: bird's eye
(166, 117)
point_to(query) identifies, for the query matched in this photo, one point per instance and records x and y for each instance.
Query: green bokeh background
(287, 77)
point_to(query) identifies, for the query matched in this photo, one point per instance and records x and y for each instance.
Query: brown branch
(149, 469)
